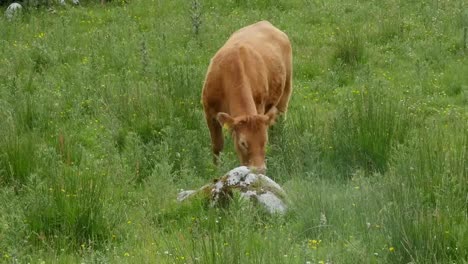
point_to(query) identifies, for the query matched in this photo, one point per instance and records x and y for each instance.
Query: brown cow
(247, 82)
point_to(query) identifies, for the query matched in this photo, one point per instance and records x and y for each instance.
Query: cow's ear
(225, 120)
(271, 115)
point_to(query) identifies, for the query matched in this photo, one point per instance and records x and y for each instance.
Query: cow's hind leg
(282, 105)
(217, 140)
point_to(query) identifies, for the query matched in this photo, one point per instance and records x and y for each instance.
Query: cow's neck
(243, 104)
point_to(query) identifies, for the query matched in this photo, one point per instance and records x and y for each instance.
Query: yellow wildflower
(313, 243)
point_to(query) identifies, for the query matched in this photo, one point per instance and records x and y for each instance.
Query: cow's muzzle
(258, 169)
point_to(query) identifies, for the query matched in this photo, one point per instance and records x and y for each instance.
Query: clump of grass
(212, 235)
(41, 57)
(428, 191)
(69, 150)
(144, 115)
(144, 55)
(27, 113)
(455, 83)
(465, 38)
(350, 48)
(389, 28)
(339, 218)
(17, 160)
(288, 154)
(142, 158)
(67, 211)
(365, 130)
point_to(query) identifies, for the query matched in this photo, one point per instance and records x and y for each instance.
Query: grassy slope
(101, 125)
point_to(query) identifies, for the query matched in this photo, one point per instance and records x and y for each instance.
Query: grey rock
(13, 10)
(257, 188)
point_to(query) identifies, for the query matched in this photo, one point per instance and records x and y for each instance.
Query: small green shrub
(196, 16)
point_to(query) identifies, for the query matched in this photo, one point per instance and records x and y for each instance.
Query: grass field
(101, 125)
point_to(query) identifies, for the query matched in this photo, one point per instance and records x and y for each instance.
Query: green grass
(101, 125)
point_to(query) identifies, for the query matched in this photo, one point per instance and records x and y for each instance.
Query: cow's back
(262, 36)
(249, 71)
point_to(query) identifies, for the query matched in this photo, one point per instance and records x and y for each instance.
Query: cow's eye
(244, 145)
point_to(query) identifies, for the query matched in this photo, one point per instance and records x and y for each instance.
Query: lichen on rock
(257, 188)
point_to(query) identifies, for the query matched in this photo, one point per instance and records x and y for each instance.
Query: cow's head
(250, 135)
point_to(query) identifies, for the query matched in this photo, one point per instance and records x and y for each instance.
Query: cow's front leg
(217, 140)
